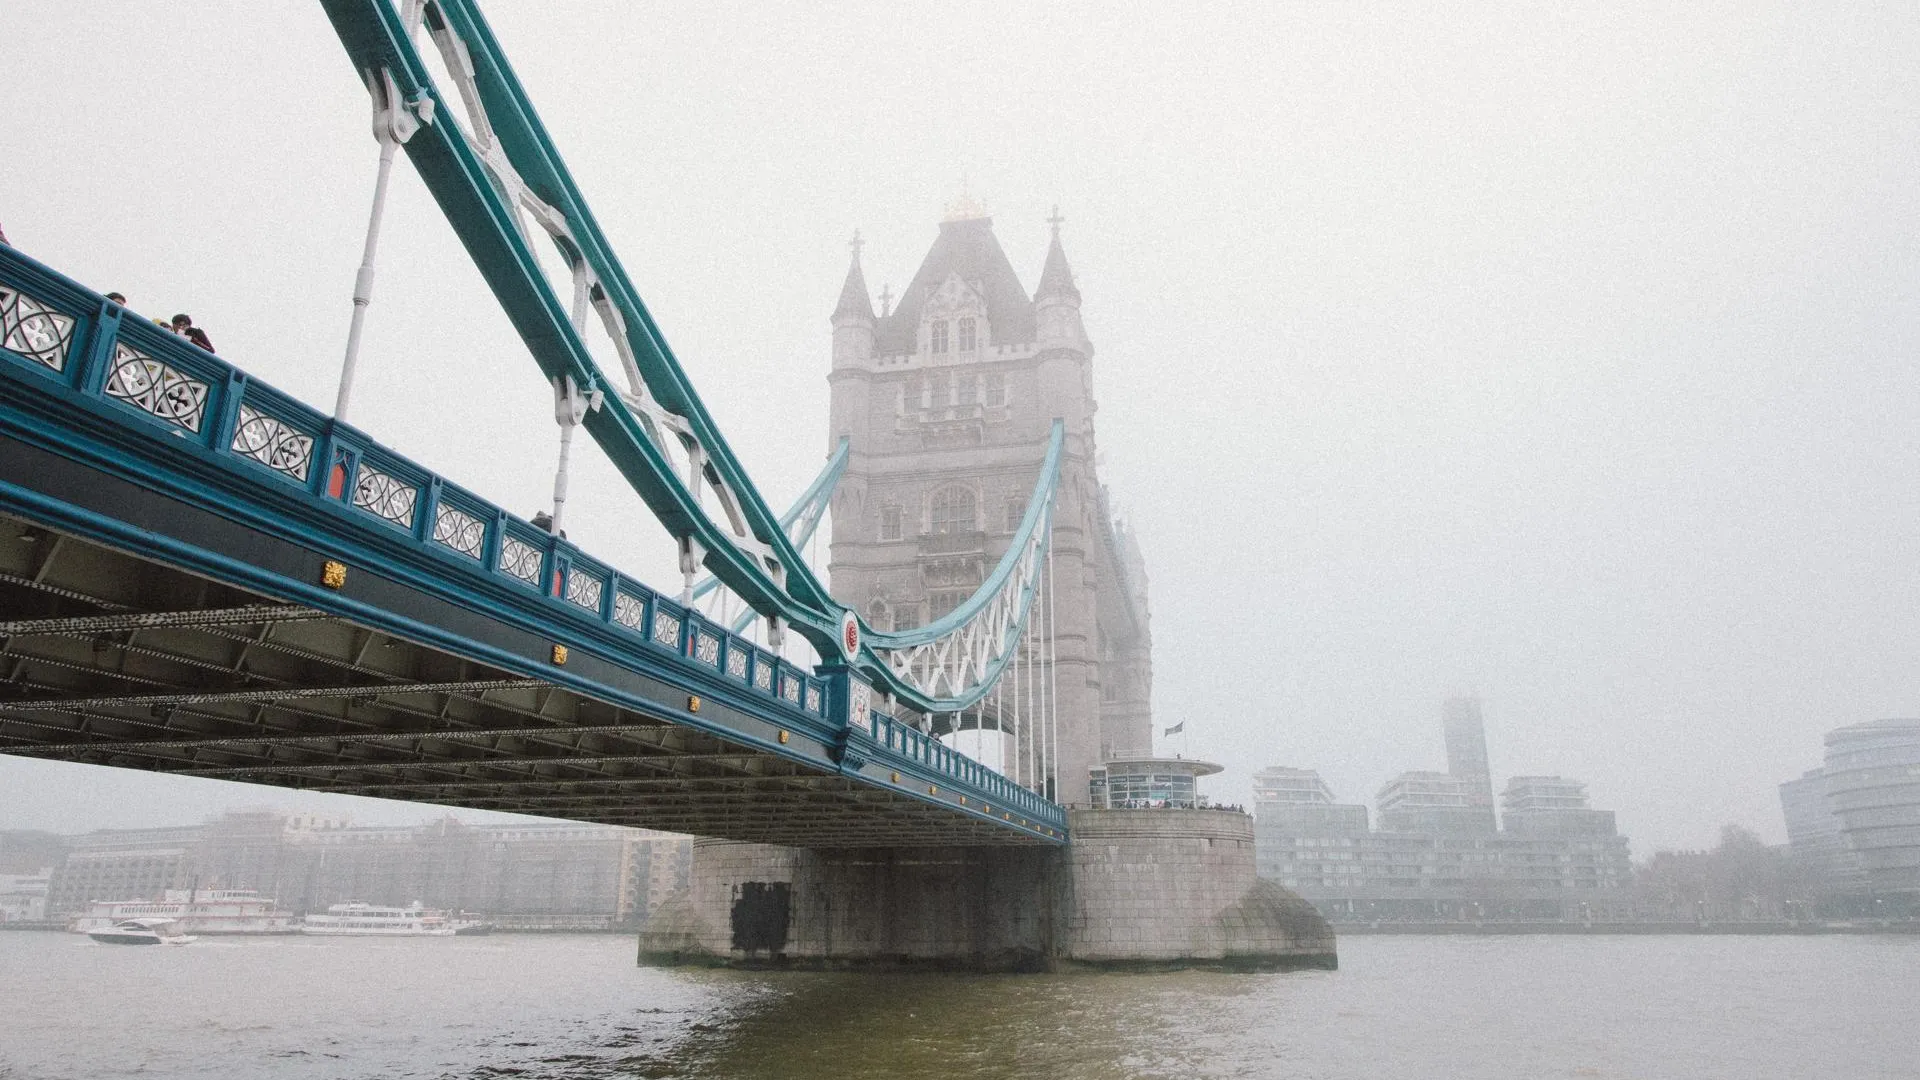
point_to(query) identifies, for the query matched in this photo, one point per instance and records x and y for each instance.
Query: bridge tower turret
(853, 317)
(947, 412)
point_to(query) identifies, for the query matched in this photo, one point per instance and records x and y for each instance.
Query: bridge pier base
(1138, 889)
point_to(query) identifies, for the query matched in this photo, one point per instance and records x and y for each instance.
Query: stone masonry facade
(947, 401)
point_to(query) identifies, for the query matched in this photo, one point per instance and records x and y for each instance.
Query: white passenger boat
(197, 911)
(142, 932)
(358, 919)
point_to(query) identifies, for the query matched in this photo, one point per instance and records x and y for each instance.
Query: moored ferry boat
(193, 911)
(359, 919)
(141, 932)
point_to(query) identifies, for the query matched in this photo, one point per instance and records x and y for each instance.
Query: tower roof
(854, 299)
(1056, 277)
(965, 247)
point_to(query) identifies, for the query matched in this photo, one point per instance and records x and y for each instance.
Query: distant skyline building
(1551, 806)
(23, 897)
(1466, 736)
(1815, 835)
(1420, 801)
(1437, 854)
(533, 875)
(1297, 802)
(1872, 777)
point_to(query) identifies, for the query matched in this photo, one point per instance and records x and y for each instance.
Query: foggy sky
(1561, 354)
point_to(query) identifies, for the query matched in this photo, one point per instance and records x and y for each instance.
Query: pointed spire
(853, 295)
(1056, 278)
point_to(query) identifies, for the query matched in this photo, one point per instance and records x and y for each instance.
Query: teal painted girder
(807, 511)
(129, 399)
(377, 39)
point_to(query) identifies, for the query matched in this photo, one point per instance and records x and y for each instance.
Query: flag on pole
(1177, 728)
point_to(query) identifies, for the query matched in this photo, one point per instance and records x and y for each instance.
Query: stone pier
(1137, 890)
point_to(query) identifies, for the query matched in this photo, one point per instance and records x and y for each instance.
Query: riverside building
(520, 875)
(1437, 854)
(1855, 821)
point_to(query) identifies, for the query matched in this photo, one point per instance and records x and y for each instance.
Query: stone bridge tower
(947, 401)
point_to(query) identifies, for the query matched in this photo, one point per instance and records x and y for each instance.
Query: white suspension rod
(393, 123)
(1053, 676)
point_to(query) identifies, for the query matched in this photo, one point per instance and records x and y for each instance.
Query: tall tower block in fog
(1467, 751)
(947, 401)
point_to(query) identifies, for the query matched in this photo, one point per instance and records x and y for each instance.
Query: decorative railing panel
(521, 560)
(256, 444)
(385, 496)
(34, 329)
(457, 530)
(273, 442)
(584, 589)
(630, 611)
(157, 388)
(666, 628)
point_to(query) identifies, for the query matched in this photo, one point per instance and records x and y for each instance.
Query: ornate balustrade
(72, 361)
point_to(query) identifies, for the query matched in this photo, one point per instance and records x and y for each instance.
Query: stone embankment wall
(1138, 889)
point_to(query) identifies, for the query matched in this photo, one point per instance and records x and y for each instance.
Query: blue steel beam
(169, 423)
(484, 214)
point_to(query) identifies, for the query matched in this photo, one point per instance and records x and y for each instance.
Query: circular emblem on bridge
(849, 634)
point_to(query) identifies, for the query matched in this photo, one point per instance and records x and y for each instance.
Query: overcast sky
(1560, 353)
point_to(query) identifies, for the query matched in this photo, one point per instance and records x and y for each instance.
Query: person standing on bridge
(183, 325)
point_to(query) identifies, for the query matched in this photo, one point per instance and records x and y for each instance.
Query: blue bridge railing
(63, 346)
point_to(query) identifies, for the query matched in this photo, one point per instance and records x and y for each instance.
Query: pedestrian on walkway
(183, 325)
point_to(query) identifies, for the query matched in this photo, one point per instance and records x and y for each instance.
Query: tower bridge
(202, 575)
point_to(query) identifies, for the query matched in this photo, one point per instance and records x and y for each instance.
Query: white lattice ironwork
(273, 442)
(960, 661)
(666, 629)
(860, 705)
(790, 687)
(706, 649)
(385, 496)
(515, 200)
(34, 330)
(630, 611)
(158, 388)
(671, 433)
(520, 559)
(763, 676)
(737, 663)
(583, 589)
(456, 529)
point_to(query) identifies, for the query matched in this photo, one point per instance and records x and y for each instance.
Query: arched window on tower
(967, 335)
(890, 522)
(880, 616)
(952, 511)
(939, 336)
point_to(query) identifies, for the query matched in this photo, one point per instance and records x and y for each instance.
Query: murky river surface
(577, 1007)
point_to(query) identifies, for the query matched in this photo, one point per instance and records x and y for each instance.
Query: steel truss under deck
(112, 660)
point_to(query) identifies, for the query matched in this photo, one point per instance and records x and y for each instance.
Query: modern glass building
(1148, 783)
(1872, 779)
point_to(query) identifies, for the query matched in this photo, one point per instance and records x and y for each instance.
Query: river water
(572, 1007)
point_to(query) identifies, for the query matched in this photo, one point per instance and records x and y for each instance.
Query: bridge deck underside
(111, 659)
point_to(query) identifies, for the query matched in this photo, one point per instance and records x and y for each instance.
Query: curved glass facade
(1873, 787)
